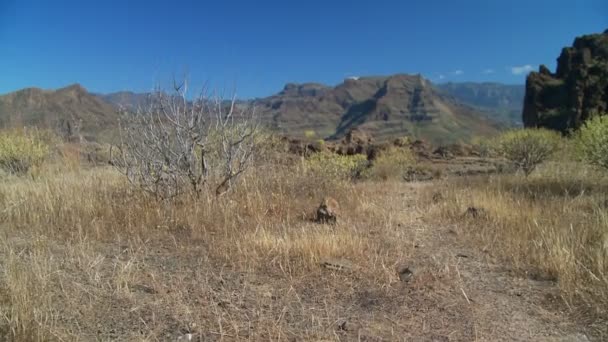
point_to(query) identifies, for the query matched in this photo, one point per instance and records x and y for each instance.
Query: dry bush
(552, 225)
(173, 145)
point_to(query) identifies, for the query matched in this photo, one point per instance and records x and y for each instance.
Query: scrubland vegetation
(87, 254)
(20, 151)
(551, 224)
(81, 246)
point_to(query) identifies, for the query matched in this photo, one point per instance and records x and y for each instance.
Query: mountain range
(383, 106)
(503, 102)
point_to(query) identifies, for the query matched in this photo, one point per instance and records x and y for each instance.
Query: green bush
(484, 147)
(22, 150)
(336, 166)
(527, 148)
(591, 141)
(310, 134)
(391, 164)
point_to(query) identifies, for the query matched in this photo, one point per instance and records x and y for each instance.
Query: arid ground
(85, 257)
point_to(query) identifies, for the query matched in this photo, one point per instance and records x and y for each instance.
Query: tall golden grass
(80, 247)
(552, 225)
(76, 239)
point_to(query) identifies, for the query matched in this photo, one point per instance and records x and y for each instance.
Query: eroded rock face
(577, 91)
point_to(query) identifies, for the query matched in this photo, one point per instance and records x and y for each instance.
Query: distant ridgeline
(577, 91)
(502, 102)
(385, 107)
(72, 112)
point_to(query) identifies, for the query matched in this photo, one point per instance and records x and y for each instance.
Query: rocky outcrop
(578, 90)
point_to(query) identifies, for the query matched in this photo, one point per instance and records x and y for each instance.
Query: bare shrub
(174, 144)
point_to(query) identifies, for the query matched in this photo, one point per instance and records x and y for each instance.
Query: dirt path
(480, 299)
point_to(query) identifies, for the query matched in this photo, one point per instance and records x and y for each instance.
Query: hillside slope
(70, 111)
(385, 107)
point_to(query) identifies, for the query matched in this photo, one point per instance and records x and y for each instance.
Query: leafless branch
(172, 144)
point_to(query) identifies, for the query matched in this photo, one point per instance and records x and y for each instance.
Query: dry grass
(552, 226)
(85, 255)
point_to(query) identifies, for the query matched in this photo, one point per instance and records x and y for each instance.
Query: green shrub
(484, 147)
(402, 141)
(527, 148)
(22, 150)
(391, 164)
(268, 146)
(336, 166)
(310, 134)
(591, 141)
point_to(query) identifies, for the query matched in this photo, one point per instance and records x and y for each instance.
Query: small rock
(328, 211)
(143, 288)
(541, 275)
(405, 273)
(437, 197)
(474, 212)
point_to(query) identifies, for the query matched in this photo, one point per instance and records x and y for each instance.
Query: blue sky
(258, 46)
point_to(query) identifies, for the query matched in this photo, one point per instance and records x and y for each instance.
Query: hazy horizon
(166, 86)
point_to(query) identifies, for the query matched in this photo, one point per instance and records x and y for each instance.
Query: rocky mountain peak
(577, 90)
(304, 89)
(384, 107)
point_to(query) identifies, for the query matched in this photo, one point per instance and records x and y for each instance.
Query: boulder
(474, 212)
(328, 210)
(354, 142)
(405, 273)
